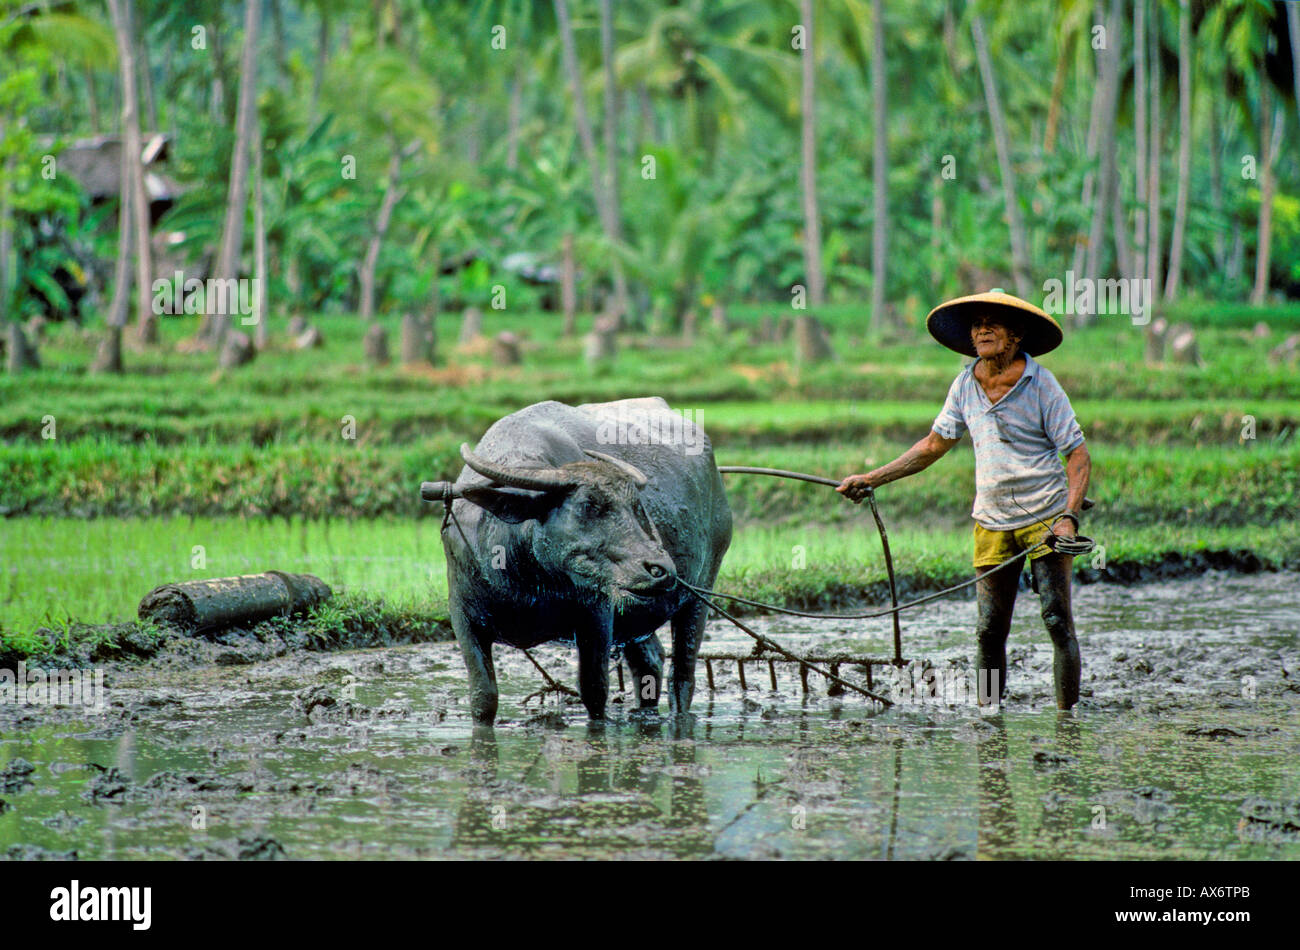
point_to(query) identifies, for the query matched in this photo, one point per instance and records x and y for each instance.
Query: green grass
(171, 398)
(1231, 483)
(60, 572)
(254, 466)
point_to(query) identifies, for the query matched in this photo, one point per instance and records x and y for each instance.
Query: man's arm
(920, 456)
(1078, 472)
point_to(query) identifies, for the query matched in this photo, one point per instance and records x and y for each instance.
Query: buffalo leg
(646, 661)
(688, 633)
(594, 644)
(476, 648)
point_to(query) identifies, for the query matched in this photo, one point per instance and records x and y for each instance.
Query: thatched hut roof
(96, 164)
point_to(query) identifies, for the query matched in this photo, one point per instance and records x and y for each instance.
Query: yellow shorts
(994, 547)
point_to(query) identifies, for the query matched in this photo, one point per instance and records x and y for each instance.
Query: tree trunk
(1140, 134)
(1123, 252)
(1270, 139)
(261, 331)
(621, 296)
(392, 194)
(232, 232)
(1019, 255)
(1216, 185)
(133, 166)
(1237, 259)
(1293, 27)
(588, 140)
(512, 128)
(879, 169)
(812, 235)
(322, 60)
(6, 235)
(1107, 185)
(950, 39)
(1079, 261)
(569, 286)
(418, 340)
(1184, 147)
(108, 357)
(936, 232)
(1058, 90)
(1153, 269)
(117, 311)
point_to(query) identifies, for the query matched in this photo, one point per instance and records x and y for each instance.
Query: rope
(875, 613)
(880, 527)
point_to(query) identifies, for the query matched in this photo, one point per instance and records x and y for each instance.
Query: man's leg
(996, 598)
(1052, 571)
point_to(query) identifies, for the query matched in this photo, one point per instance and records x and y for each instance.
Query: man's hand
(855, 487)
(1064, 528)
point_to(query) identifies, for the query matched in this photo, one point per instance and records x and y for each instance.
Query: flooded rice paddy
(1186, 745)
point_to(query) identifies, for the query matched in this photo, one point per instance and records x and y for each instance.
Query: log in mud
(221, 602)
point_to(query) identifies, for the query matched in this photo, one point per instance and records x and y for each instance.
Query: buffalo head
(597, 534)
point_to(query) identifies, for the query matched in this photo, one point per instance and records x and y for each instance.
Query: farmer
(1020, 421)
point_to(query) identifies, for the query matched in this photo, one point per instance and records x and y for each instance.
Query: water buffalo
(576, 522)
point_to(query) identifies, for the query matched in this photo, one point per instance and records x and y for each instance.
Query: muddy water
(1186, 744)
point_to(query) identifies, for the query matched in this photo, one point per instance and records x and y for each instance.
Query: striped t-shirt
(1019, 478)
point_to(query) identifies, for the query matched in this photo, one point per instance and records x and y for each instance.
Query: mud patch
(1182, 747)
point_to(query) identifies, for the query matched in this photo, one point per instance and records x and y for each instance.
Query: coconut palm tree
(132, 193)
(232, 231)
(1184, 148)
(1015, 221)
(812, 235)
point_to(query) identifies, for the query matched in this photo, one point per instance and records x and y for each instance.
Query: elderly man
(1020, 421)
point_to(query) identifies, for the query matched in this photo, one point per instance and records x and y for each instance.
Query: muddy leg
(688, 632)
(476, 648)
(646, 661)
(1053, 574)
(996, 598)
(594, 644)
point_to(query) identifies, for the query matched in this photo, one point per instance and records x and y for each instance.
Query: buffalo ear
(512, 505)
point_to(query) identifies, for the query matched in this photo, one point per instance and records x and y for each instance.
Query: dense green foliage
(707, 142)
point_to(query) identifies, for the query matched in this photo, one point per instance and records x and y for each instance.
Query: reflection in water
(1059, 819)
(606, 787)
(897, 745)
(997, 808)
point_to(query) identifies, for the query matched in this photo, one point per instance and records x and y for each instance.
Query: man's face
(992, 337)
